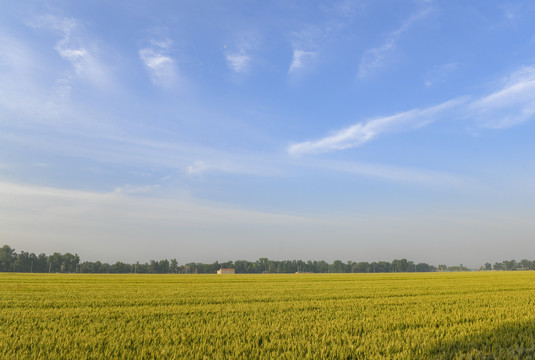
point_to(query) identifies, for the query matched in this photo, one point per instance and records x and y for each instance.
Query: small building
(224, 271)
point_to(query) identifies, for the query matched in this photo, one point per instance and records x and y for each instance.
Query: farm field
(315, 316)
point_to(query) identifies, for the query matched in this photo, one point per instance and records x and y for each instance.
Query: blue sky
(216, 130)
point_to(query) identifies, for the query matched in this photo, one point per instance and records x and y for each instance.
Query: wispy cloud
(198, 167)
(305, 44)
(108, 146)
(345, 11)
(74, 49)
(363, 132)
(395, 173)
(159, 63)
(513, 12)
(310, 41)
(238, 62)
(510, 105)
(26, 94)
(30, 95)
(250, 164)
(15, 57)
(20, 66)
(129, 189)
(377, 57)
(239, 54)
(36, 215)
(57, 201)
(300, 58)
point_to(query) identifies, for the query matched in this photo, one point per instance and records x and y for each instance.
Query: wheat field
(483, 315)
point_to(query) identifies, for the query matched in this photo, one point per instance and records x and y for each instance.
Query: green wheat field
(472, 315)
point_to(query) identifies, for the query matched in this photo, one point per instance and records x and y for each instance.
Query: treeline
(509, 265)
(11, 261)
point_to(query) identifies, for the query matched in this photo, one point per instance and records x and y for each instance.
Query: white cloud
(239, 54)
(309, 42)
(252, 164)
(74, 48)
(513, 12)
(76, 56)
(32, 97)
(378, 57)
(345, 10)
(154, 60)
(163, 43)
(159, 63)
(394, 173)
(238, 62)
(108, 145)
(375, 58)
(363, 132)
(56, 203)
(197, 167)
(300, 58)
(511, 105)
(26, 94)
(306, 45)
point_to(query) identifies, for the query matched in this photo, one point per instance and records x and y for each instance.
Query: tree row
(11, 261)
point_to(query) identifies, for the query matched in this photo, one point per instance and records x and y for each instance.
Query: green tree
(40, 264)
(173, 266)
(70, 262)
(7, 258)
(401, 265)
(509, 265)
(527, 265)
(55, 262)
(337, 267)
(423, 267)
(361, 267)
(23, 262)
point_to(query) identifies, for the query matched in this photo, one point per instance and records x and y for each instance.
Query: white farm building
(224, 271)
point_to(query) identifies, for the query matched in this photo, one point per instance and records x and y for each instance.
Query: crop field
(489, 315)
